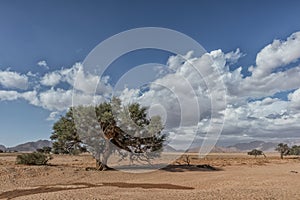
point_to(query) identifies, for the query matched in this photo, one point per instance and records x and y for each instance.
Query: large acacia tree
(112, 128)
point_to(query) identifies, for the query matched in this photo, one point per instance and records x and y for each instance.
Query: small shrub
(33, 159)
(1, 151)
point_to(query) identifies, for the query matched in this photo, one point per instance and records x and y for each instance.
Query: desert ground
(236, 176)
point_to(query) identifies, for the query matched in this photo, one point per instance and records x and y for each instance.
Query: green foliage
(46, 150)
(295, 150)
(64, 135)
(133, 134)
(128, 128)
(35, 158)
(256, 153)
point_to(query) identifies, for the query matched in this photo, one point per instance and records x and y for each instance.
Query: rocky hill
(261, 145)
(30, 146)
(216, 149)
(2, 148)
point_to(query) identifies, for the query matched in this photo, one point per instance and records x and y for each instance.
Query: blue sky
(64, 32)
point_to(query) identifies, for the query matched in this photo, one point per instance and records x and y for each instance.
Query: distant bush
(256, 153)
(35, 158)
(295, 150)
(1, 151)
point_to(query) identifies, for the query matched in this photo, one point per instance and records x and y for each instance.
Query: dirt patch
(56, 188)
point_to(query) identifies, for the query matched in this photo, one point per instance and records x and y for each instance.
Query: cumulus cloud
(189, 91)
(8, 95)
(295, 99)
(29, 96)
(43, 63)
(234, 56)
(277, 54)
(13, 80)
(56, 99)
(265, 117)
(79, 79)
(51, 79)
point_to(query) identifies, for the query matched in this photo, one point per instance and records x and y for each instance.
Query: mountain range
(260, 145)
(239, 147)
(28, 146)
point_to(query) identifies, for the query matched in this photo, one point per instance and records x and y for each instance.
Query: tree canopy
(65, 137)
(283, 149)
(256, 152)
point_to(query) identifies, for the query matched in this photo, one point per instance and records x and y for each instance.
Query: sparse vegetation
(35, 158)
(256, 152)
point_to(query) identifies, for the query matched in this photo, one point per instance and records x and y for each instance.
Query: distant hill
(240, 147)
(261, 145)
(216, 149)
(31, 146)
(2, 147)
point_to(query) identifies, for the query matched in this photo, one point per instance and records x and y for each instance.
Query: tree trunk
(281, 155)
(101, 165)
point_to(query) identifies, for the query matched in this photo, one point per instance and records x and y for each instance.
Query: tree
(66, 139)
(295, 150)
(112, 128)
(283, 149)
(256, 153)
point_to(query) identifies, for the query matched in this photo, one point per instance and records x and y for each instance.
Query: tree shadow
(185, 168)
(75, 186)
(163, 167)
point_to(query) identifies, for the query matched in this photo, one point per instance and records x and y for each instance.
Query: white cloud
(31, 97)
(277, 54)
(186, 83)
(51, 79)
(233, 56)
(295, 99)
(13, 80)
(76, 77)
(8, 95)
(53, 116)
(61, 100)
(43, 63)
(265, 118)
(56, 99)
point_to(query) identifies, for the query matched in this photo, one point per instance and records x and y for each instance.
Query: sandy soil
(238, 177)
